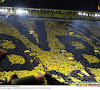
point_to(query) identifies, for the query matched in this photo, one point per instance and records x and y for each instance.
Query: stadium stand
(59, 42)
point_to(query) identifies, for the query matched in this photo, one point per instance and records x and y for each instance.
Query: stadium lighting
(26, 11)
(79, 13)
(20, 11)
(90, 14)
(3, 10)
(96, 15)
(85, 14)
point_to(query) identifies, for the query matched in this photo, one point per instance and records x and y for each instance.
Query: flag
(98, 6)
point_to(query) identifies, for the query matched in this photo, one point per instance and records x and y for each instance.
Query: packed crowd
(57, 59)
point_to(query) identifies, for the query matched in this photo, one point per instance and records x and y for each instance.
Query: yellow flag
(98, 7)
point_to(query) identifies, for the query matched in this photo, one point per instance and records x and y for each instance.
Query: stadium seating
(69, 50)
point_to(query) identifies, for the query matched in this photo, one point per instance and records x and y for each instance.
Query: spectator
(29, 80)
(2, 53)
(9, 82)
(39, 80)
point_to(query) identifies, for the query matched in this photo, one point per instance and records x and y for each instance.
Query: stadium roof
(81, 5)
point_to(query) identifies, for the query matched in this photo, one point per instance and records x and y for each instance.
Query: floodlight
(96, 15)
(26, 11)
(20, 11)
(90, 15)
(5, 10)
(79, 13)
(84, 14)
(2, 10)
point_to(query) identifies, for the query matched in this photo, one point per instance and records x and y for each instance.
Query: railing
(50, 13)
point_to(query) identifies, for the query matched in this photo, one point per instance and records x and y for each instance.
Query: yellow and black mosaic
(68, 50)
